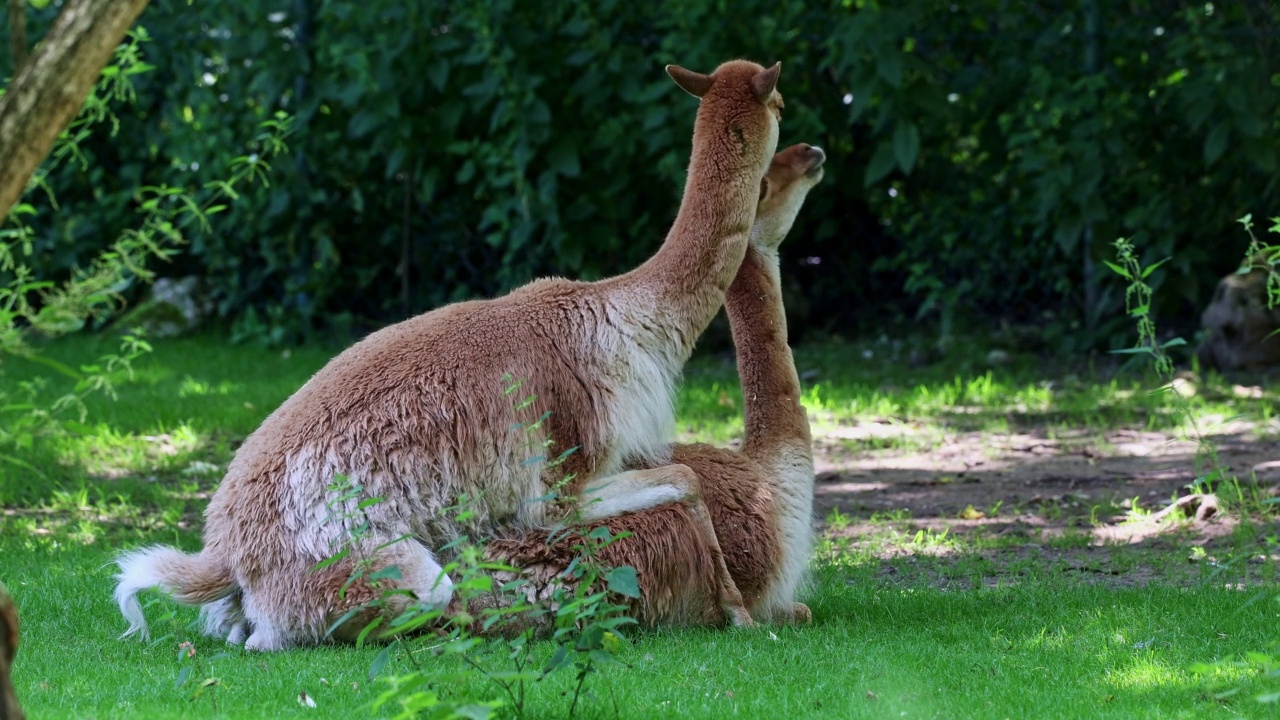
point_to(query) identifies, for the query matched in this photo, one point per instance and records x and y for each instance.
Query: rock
(174, 307)
(1237, 323)
(1185, 384)
(9, 709)
(997, 358)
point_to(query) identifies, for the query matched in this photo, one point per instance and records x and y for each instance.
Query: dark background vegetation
(983, 154)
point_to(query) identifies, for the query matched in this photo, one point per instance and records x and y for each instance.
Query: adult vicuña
(414, 413)
(760, 498)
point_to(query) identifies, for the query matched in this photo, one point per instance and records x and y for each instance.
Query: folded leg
(636, 490)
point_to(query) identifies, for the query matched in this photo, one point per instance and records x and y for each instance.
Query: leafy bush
(33, 305)
(982, 153)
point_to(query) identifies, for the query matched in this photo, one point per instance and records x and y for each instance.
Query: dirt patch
(969, 509)
(1095, 565)
(1024, 469)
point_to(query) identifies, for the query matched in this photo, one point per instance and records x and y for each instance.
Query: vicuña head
(735, 89)
(791, 175)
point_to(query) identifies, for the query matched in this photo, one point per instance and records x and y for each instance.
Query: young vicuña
(760, 498)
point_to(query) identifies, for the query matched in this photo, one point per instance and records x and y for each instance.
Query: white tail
(190, 579)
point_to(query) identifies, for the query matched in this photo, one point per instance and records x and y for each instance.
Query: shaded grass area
(908, 622)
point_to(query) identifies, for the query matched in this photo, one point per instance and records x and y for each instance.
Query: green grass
(907, 624)
(871, 381)
(1050, 649)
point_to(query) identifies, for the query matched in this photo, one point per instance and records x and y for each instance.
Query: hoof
(739, 617)
(264, 640)
(800, 614)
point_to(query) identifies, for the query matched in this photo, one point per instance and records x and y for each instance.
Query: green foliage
(496, 646)
(1137, 304)
(1212, 474)
(1263, 256)
(979, 152)
(500, 610)
(34, 305)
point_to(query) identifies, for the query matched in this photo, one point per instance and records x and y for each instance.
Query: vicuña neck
(774, 418)
(688, 277)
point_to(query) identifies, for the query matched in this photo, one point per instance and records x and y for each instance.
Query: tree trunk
(17, 33)
(51, 86)
(9, 709)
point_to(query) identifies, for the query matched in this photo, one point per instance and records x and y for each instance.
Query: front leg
(636, 490)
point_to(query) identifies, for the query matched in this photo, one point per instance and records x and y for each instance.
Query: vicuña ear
(765, 81)
(696, 84)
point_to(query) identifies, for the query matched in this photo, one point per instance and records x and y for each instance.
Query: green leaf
(330, 560)
(881, 164)
(563, 158)
(56, 365)
(28, 466)
(1067, 234)
(345, 617)
(1269, 698)
(379, 662)
(579, 57)
(1118, 270)
(557, 660)
(906, 145)
(367, 629)
(1216, 142)
(623, 581)
(478, 711)
(889, 66)
(438, 74)
(466, 172)
(390, 571)
(1152, 267)
(600, 656)
(369, 502)
(1175, 342)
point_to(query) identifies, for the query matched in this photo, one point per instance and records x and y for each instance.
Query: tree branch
(49, 89)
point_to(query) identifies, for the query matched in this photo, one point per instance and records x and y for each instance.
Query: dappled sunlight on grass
(1145, 673)
(190, 387)
(910, 407)
(107, 453)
